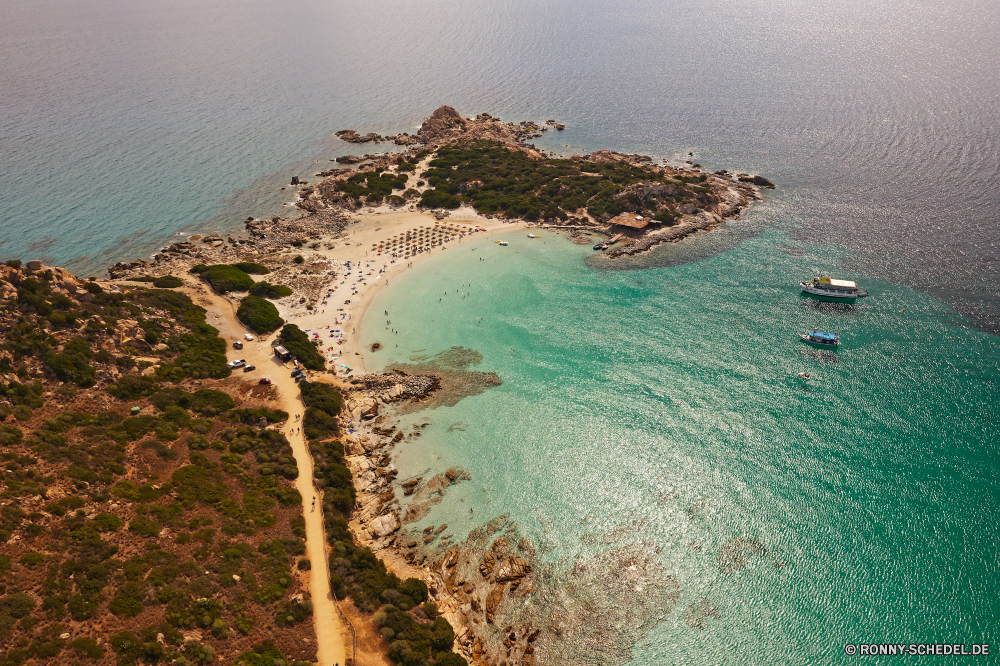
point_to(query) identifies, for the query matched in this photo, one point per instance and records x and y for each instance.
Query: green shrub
(434, 198)
(266, 654)
(130, 649)
(167, 282)
(323, 404)
(105, 522)
(265, 289)
(164, 398)
(291, 612)
(259, 315)
(17, 605)
(299, 259)
(210, 402)
(9, 436)
(87, 647)
(32, 559)
(252, 268)
(297, 342)
(128, 601)
(130, 387)
(223, 278)
(143, 527)
(253, 416)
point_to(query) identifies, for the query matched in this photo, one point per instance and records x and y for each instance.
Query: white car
(237, 364)
(248, 337)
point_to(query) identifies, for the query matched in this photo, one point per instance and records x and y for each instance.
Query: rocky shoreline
(506, 605)
(329, 204)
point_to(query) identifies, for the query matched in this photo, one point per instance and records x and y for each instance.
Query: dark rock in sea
(759, 181)
(295, 180)
(735, 554)
(350, 136)
(696, 614)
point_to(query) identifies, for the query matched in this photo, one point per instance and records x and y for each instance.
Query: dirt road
(331, 635)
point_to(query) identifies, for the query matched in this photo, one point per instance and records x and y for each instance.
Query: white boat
(839, 290)
(533, 236)
(503, 243)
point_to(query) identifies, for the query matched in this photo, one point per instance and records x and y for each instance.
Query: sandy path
(332, 637)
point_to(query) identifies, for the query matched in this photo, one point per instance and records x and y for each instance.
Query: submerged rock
(735, 554)
(696, 614)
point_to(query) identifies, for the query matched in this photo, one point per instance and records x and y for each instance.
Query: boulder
(384, 525)
(34, 265)
(441, 121)
(493, 602)
(759, 181)
(512, 568)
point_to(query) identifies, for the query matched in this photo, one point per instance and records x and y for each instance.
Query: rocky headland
(601, 194)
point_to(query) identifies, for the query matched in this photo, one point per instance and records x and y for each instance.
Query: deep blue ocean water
(124, 123)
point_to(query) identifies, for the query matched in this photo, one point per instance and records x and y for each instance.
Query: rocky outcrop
(350, 136)
(384, 525)
(441, 123)
(759, 181)
(352, 159)
(395, 386)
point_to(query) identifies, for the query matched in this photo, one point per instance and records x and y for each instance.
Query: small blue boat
(821, 338)
(601, 246)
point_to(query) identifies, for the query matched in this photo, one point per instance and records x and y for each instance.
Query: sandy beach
(358, 247)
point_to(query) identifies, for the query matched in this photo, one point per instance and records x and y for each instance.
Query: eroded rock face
(455, 380)
(520, 610)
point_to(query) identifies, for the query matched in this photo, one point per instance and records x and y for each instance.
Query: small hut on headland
(629, 221)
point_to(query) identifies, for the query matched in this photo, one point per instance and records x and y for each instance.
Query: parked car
(264, 380)
(297, 372)
(248, 337)
(249, 368)
(237, 364)
(237, 344)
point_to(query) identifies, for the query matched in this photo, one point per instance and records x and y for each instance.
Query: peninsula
(173, 492)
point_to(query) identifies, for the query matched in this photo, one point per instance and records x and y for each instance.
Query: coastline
(372, 228)
(330, 260)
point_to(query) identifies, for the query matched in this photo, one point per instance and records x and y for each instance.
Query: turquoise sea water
(661, 406)
(655, 403)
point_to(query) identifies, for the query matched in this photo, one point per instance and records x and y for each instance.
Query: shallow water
(661, 407)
